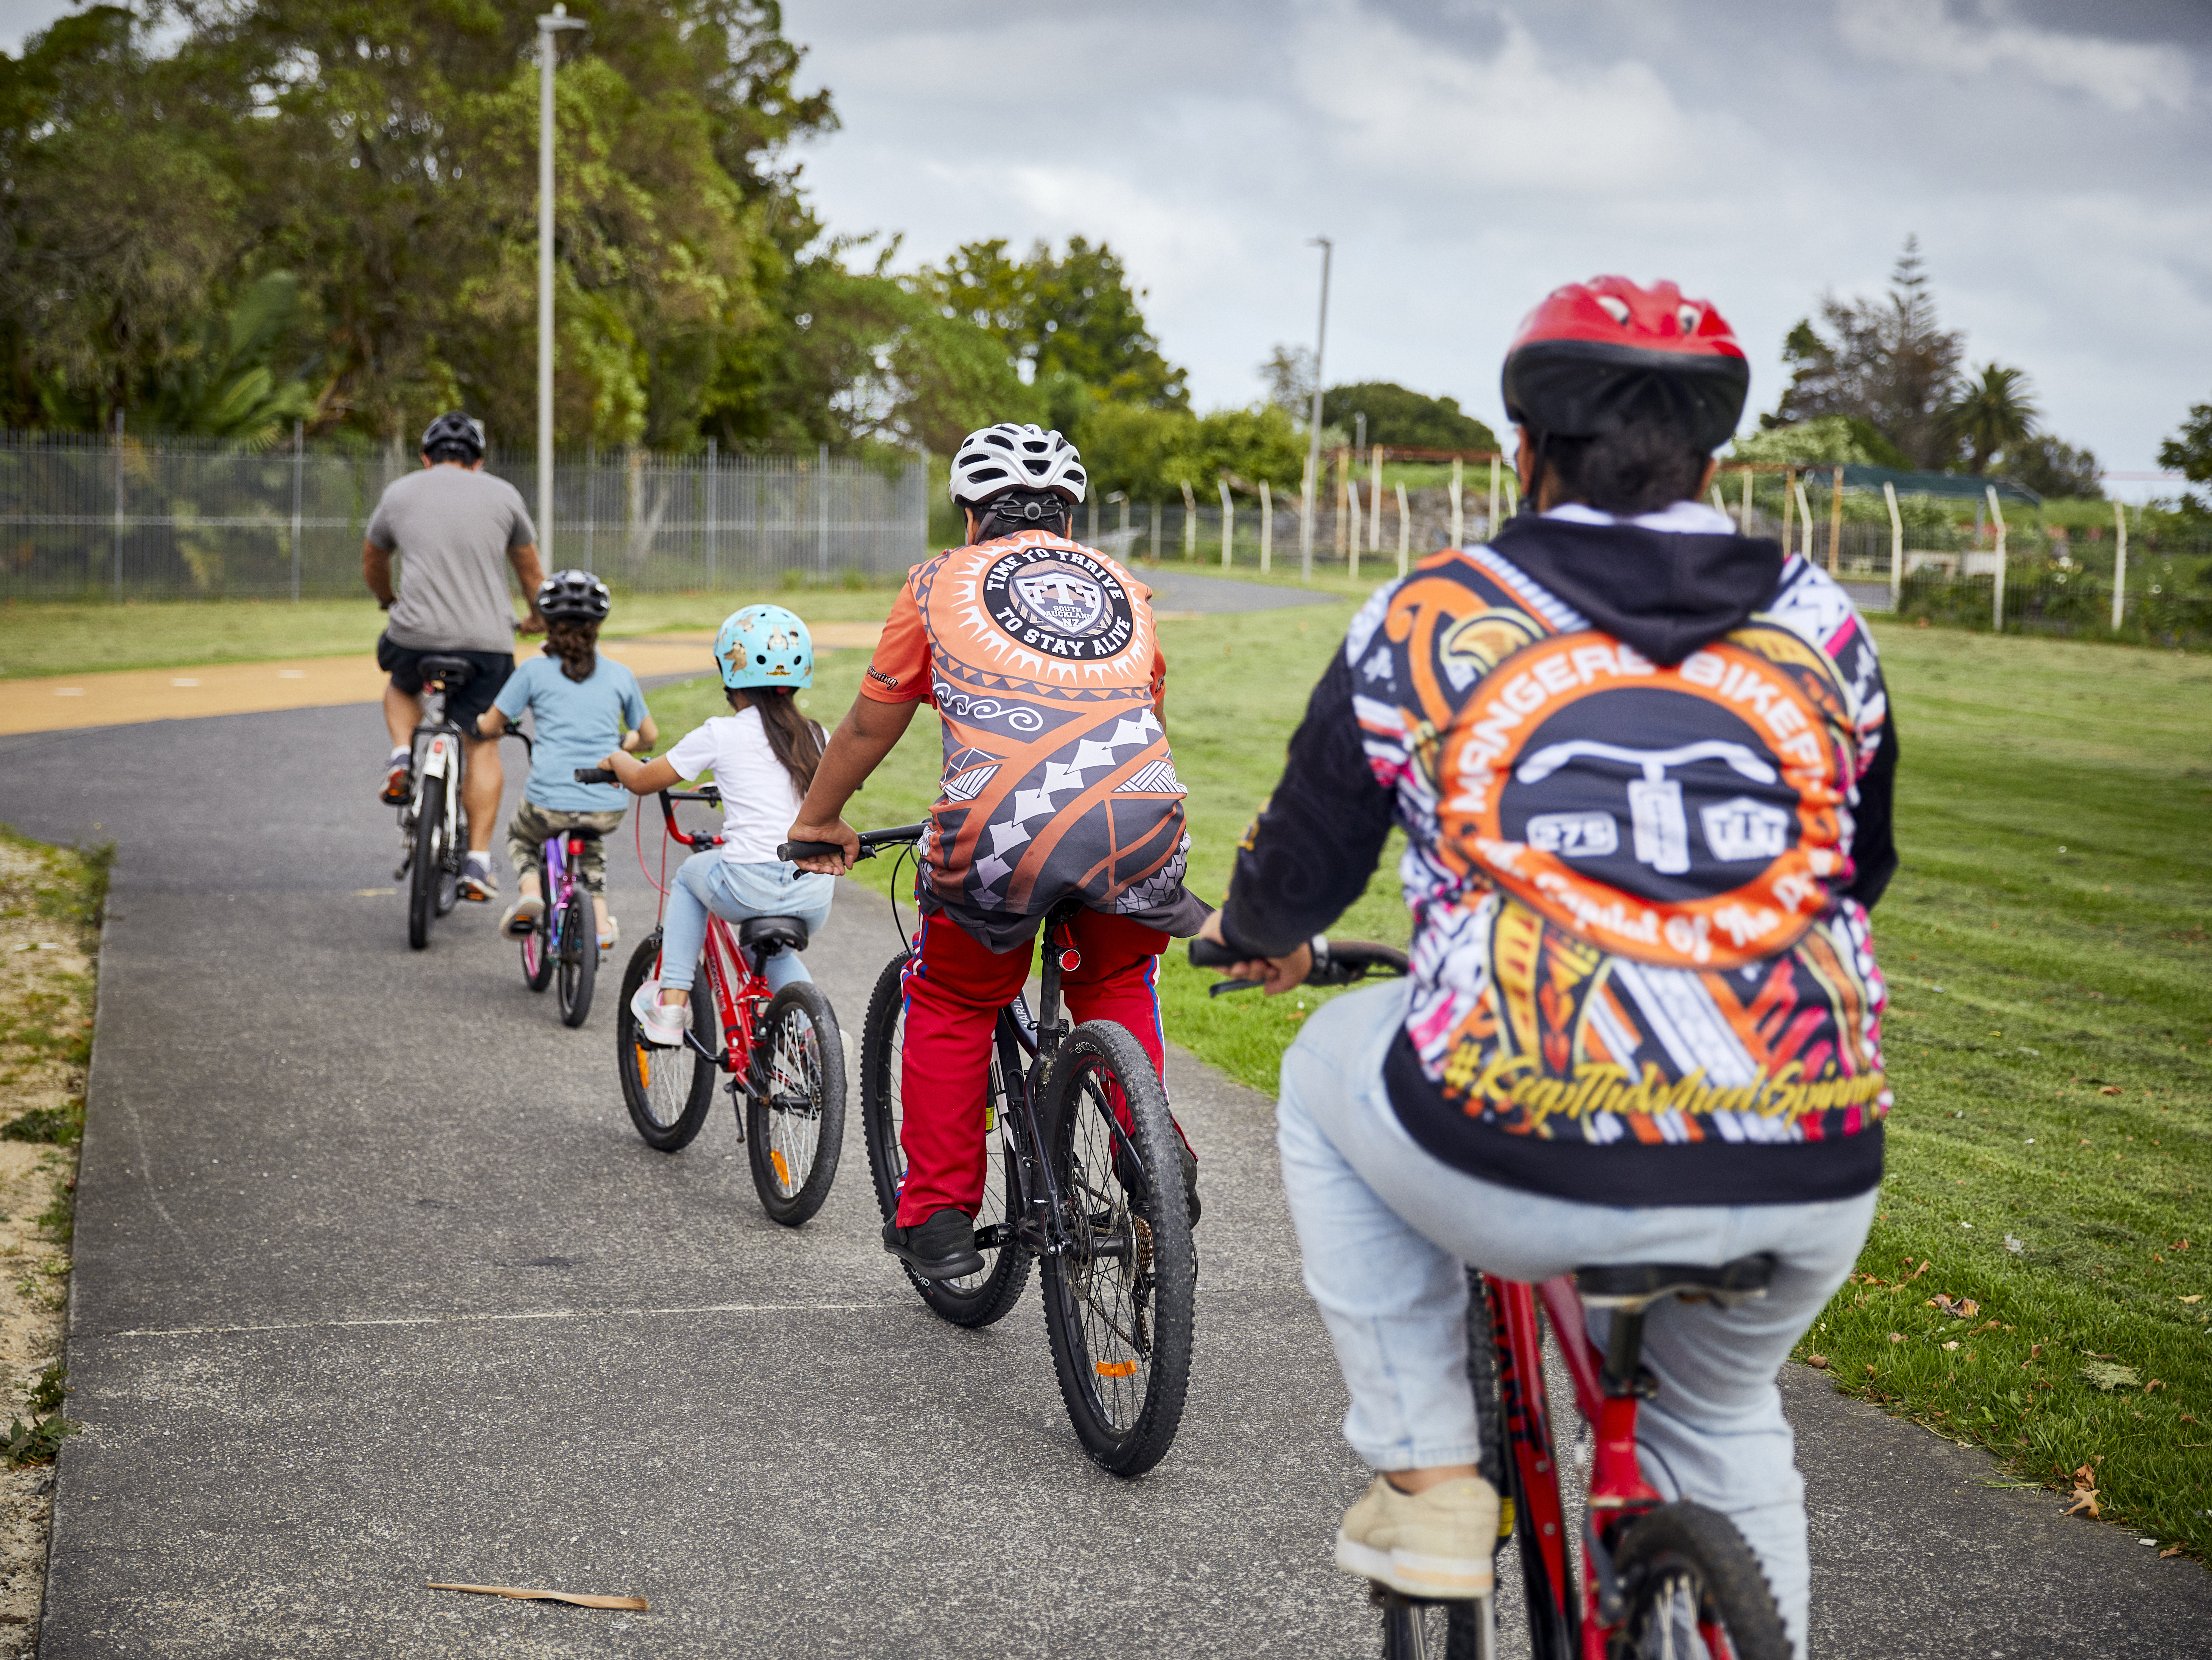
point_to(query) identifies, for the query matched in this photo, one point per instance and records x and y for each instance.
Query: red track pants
(954, 988)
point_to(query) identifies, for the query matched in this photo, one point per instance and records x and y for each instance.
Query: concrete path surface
(375, 1286)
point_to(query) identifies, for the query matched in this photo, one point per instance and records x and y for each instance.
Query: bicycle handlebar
(596, 775)
(872, 842)
(1335, 961)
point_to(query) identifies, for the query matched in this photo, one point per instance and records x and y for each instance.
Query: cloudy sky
(1466, 155)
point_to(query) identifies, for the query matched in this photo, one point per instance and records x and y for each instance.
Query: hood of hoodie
(1667, 592)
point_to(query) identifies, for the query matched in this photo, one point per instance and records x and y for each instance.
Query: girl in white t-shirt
(762, 755)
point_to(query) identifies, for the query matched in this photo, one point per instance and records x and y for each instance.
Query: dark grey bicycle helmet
(455, 430)
(573, 596)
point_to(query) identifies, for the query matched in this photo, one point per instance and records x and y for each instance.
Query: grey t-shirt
(453, 529)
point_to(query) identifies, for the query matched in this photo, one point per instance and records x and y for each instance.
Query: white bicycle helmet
(1012, 456)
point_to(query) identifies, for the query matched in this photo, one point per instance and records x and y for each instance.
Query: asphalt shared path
(374, 1286)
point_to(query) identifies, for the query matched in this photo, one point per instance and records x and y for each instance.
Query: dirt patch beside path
(49, 914)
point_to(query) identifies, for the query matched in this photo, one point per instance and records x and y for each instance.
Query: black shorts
(463, 705)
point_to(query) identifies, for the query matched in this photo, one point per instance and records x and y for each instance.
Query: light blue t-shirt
(578, 722)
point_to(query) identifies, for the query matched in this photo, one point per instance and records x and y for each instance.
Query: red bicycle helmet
(1593, 356)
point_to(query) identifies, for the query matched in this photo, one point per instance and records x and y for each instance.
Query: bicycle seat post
(1049, 1027)
(1624, 1374)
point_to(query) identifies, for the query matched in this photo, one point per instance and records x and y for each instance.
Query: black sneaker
(943, 1248)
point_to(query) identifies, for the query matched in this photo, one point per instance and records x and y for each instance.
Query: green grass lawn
(43, 639)
(2050, 1033)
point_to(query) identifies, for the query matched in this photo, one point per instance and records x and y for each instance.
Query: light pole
(1313, 422)
(548, 27)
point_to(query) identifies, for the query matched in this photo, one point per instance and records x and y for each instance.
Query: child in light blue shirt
(581, 705)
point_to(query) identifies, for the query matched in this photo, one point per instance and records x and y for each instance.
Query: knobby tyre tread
(1139, 1317)
(1682, 1557)
(812, 1067)
(666, 1118)
(1482, 1373)
(980, 1299)
(577, 946)
(428, 865)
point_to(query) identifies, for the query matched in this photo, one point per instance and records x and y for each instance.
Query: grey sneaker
(1438, 1544)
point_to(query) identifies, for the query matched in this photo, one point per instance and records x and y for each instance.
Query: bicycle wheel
(576, 951)
(537, 944)
(1694, 1591)
(795, 1120)
(977, 1300)
(426, 868)
(1118, 1299)
(666, 1091)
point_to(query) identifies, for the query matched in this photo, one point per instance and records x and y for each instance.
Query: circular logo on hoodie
(1060, 601)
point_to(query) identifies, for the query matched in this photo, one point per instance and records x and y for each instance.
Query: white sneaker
(658, 1024)
(1437, 1544)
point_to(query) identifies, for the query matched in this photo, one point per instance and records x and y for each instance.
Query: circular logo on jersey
(1058, 601)
(1684, 816)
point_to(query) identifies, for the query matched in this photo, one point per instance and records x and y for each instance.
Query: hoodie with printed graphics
(1644, 770)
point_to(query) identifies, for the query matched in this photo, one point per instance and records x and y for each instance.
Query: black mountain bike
(433, 828)
(1084, 1178)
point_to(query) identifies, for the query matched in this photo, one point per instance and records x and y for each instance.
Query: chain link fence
(86, 517)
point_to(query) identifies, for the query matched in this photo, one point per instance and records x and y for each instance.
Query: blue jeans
(1384, 1228)
(708, 882)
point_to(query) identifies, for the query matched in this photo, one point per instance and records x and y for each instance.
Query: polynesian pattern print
(1057, 776)
(1627, 880)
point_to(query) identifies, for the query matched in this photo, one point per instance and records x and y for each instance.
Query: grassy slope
(36, 640)
(2063, 976)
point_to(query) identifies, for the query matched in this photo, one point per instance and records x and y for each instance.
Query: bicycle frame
(740, 993)
(1581, 1623)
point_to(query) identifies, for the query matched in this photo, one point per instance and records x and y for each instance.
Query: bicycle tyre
(1690, 1578)
(978, 1299)
(428, 865)
(576, 941)
(667, 1092)
(794, 1134)
(1136, 1334)
(537, 944)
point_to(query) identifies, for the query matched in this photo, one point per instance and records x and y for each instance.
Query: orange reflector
(1115, 1368)
(644, 1067)
(782, 1170)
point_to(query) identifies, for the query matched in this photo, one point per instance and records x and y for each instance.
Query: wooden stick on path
(520, 1594)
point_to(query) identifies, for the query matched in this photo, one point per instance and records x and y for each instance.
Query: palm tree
(1991, 414)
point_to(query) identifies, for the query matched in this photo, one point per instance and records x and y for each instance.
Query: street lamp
(1313, 422)
(549, 26)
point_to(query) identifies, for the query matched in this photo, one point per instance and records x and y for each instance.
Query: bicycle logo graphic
(1737, 829)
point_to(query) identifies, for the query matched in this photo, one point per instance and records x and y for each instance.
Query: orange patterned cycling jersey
(1039, 658)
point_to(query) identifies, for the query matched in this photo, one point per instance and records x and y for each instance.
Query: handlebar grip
(1206, 954)
(797, 850)
(595, 776)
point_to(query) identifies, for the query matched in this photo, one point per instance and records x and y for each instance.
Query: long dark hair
(796, 741)
(576, 641)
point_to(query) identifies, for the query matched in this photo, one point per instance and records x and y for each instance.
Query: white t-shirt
(759, 800)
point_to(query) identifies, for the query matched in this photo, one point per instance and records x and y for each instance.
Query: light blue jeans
(1385, 1228)
(708, 882)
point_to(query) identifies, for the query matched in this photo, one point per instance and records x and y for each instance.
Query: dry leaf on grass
(1962, 1308)
(2085, 1493)
(2171, 1550)
(521, 1594)
(1818, 1362)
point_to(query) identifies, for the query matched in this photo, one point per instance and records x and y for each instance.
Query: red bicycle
(1658, 1579)
(780, 1053)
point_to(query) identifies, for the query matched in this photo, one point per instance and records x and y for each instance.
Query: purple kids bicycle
(564, 943)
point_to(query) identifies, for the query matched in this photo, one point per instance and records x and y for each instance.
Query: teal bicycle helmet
(764, 646)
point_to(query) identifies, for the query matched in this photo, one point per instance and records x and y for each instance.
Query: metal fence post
(119, 507)
(1189, 523)
(1896, 549)
(2120, 568)
(1805, 530)
(1996, 515)
(299, 466)
(1375, 504)
(1404, 527)
(1228, 520)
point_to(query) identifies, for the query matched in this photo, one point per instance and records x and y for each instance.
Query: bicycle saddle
(451, 671)
(768, 935)
(1636, 1285)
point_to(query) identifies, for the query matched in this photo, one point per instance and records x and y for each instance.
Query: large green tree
(2189, 450)
(387, 155)
(1403, 418)
(1992, 412)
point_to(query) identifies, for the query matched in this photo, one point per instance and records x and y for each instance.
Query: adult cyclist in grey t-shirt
(456, 529)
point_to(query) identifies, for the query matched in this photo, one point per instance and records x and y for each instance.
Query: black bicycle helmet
(573, 596)
(455, 430)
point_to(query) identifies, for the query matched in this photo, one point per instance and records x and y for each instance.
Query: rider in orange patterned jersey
(1039, 655)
